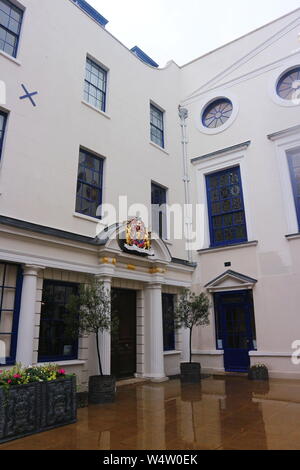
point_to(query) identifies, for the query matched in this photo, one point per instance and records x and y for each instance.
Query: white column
(105, 337)
(27, 314)
(154, 351)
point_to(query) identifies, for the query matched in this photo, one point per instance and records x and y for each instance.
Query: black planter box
(102, 389)
(258, 373)
(190, 372)
(82, 399)
(36, 407)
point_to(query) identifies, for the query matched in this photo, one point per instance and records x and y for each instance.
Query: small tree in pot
(192, 310)
(91, 312)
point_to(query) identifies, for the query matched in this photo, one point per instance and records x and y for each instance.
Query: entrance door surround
(234, 318)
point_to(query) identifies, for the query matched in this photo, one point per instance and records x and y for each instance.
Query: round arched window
(217, 113)
(288, 87)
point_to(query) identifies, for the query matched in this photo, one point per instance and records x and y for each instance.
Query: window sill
(228, 247)
(172, 353)
(217, 352)
(294, 236)
(96, 109)
(74, 362)
(9, 57)
(86, 217)
(159, 148)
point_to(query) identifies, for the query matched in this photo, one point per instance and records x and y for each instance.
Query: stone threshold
(131, 381)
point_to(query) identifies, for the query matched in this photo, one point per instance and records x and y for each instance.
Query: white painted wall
(38, 170)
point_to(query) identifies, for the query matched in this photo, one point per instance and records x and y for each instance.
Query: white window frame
(284, 143)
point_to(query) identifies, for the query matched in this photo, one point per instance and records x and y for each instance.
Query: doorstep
(132, 381)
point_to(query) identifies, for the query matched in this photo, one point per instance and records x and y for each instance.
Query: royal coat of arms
(138, 239)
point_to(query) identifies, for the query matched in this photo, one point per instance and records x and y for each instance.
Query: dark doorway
(235, 328)
(123, 339)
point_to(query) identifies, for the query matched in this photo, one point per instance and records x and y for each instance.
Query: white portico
(150, 277)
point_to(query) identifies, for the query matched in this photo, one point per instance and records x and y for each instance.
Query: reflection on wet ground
(220, 413)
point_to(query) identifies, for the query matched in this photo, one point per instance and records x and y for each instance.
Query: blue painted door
(237, 328)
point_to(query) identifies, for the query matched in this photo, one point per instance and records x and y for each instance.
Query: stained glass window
(157, 126)
(294, 164)
(89, 184)
(288, 87)
(217, 113)
(95, 85)
(226, 207)
(56, 340)
(10, 26)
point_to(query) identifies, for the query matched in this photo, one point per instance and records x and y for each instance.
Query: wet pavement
(223, 412)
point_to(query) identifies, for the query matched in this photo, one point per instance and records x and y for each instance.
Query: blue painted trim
(144, 57)
(28, 95)
(87, 8)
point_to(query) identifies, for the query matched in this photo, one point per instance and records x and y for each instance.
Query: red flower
(17, 376)
(62, 371)
(9, 381)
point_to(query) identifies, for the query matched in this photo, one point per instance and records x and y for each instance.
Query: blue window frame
(168, 322)
(294, 165)
(3, 119)
(56, 343)
(89, 184)
(10, 27)
(226, 211)
(157, 126)
(10, 299)
(95, 85)
(159, 216)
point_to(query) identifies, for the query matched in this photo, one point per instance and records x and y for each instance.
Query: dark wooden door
(123, 340)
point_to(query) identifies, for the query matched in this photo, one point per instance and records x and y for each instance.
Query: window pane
(9, 310)
(168, 322)
(89, 184)
(95, 85)
(55, 340)
(10, 25)
(228, 225)
(156, 126)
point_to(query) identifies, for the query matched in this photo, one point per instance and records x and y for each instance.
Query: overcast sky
(183, 30)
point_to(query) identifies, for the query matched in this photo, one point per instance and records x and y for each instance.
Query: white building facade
(86, 123)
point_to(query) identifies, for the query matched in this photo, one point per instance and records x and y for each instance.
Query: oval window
(217, 113)
(288, 87)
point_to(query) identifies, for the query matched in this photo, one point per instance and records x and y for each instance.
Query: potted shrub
(35, 399)
(192, 310)
(258, 372)
(91, 312)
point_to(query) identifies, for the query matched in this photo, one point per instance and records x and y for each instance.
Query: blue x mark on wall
(28, 95)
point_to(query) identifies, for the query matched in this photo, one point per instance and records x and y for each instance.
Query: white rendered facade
(41, 232)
